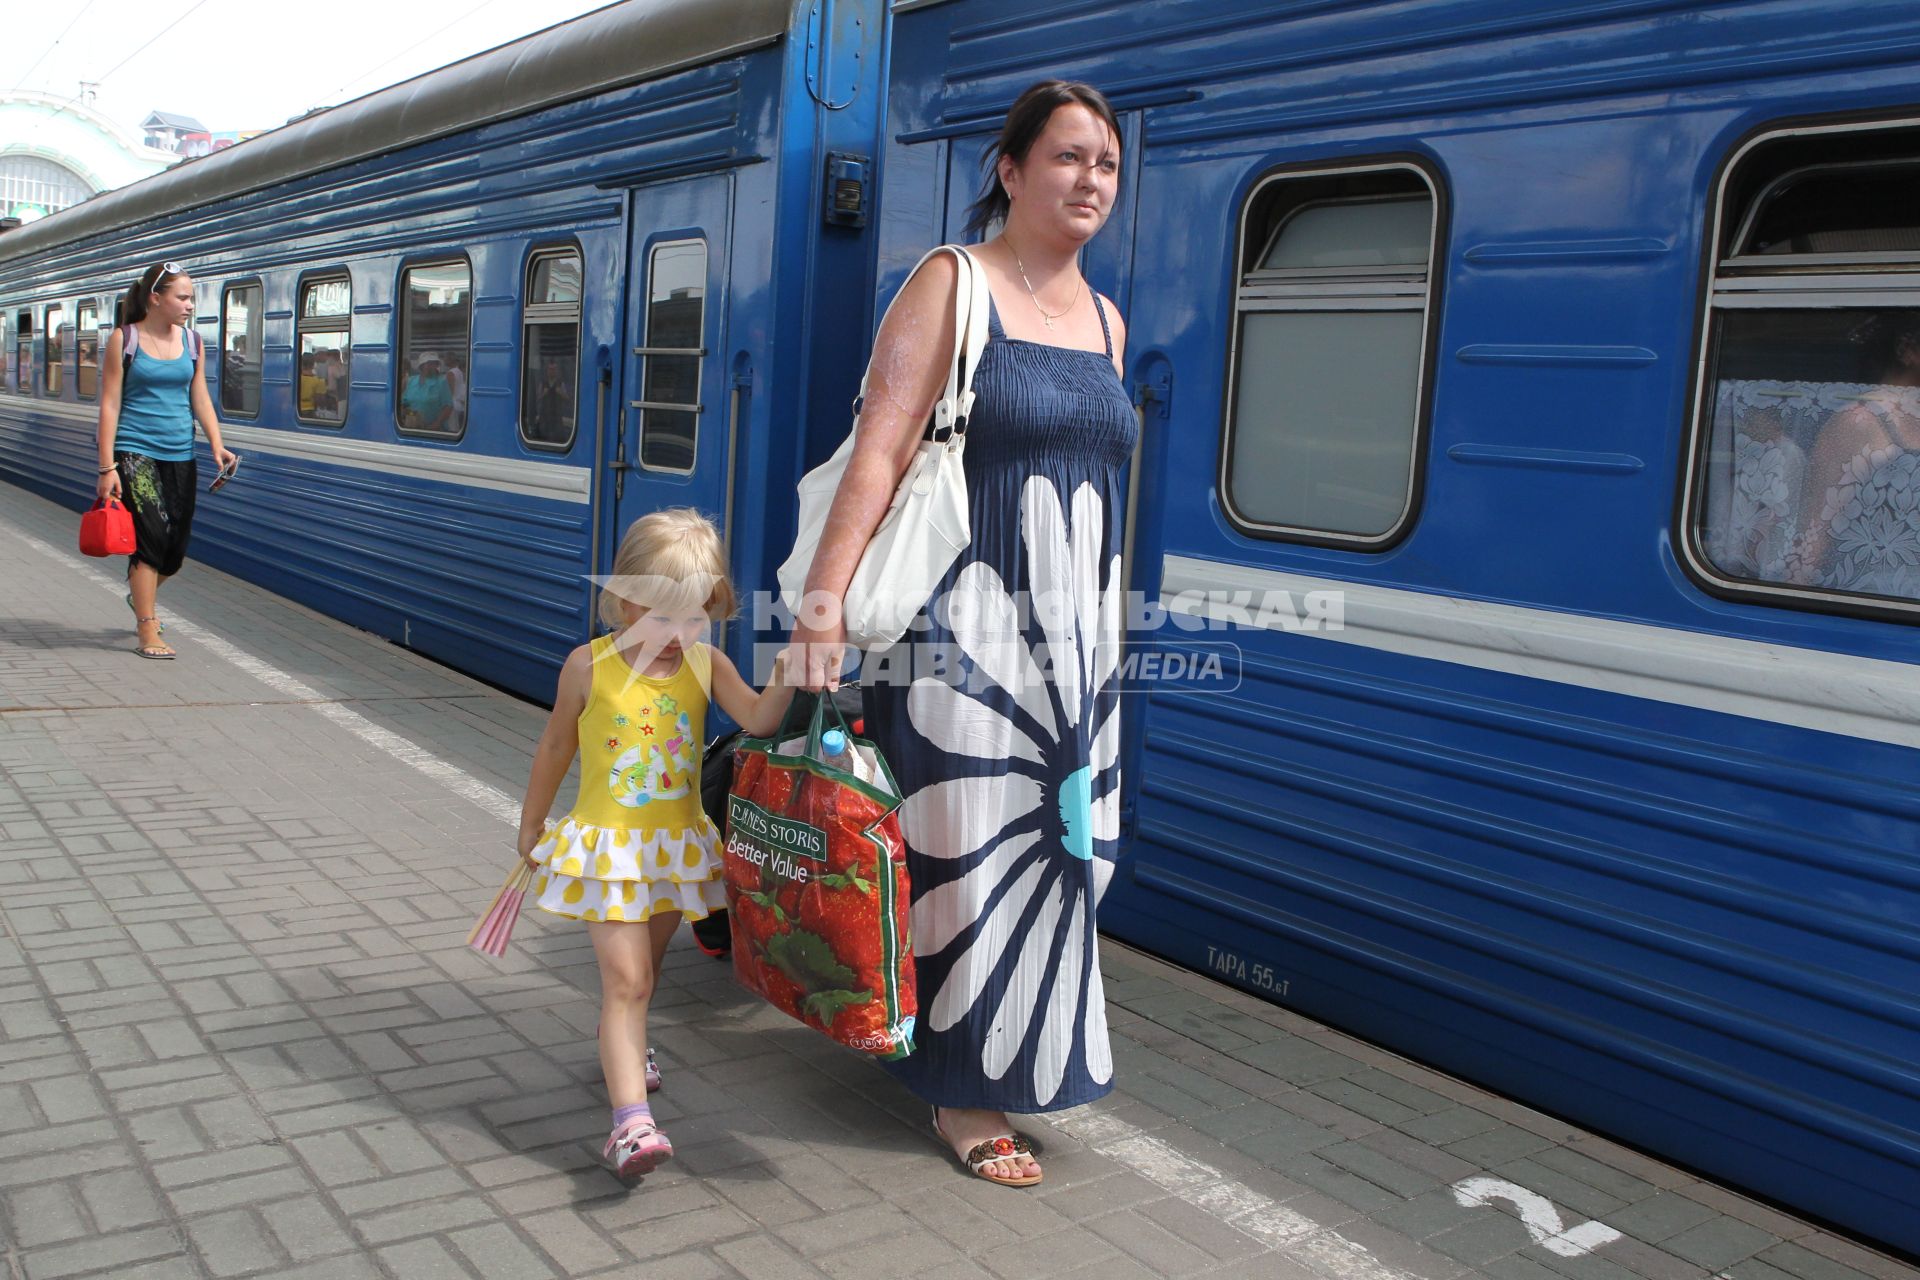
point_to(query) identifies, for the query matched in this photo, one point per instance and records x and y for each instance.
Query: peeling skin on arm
(905, 377)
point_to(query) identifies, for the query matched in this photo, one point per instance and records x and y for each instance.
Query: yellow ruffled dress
(637, 840)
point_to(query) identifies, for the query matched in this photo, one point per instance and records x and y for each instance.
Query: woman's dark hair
(141, 293)
(1026, 119)
(1882, 338)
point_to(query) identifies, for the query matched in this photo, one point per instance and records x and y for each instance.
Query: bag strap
(970, 301)
(130, 343)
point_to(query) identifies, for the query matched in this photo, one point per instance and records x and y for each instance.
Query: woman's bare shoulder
(932, 281)
(1852, 430)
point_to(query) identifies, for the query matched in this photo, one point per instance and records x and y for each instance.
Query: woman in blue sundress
(1000, 712)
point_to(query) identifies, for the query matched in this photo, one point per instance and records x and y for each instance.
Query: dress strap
(994, 331)
(1101, 311)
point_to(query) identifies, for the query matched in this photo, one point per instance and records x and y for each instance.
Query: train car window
(86, 350)
(436, 327)
(670, 388)
(550, 350)
(23, 353)
(1806, 468)
(324, 346)
(240, 347)
(1331, 332)
(55, 354)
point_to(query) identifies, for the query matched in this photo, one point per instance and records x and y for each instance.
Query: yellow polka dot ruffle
(623, 874)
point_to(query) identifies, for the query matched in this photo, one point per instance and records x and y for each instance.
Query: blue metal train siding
(477, 551)
(1667, 899)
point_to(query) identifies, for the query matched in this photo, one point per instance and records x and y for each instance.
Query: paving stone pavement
(240, 1034)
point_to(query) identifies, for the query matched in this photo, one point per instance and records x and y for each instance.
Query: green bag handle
(823, 704)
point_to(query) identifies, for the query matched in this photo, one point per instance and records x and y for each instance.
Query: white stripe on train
(1868, 698)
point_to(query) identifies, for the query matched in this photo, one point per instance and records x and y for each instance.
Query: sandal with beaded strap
(136, 611)
(1002, 1147)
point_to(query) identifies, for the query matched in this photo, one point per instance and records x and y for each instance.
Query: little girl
(637, 852)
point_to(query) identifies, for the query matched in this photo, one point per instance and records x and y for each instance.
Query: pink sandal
(636, 1149)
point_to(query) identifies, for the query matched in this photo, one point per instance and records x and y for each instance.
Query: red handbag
(106, 529)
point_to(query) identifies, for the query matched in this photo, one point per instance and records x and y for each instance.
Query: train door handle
(618, 463)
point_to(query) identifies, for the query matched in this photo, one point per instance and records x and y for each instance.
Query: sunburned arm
(758, 713)
(553, 756)
(904, 379)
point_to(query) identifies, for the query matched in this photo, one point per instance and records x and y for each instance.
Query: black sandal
(158, 650)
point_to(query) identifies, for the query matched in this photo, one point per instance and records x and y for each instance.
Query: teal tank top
(156, 407)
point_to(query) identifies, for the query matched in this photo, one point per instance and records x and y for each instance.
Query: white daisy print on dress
(1028, 834)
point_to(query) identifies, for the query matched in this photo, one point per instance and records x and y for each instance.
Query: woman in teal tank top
(151, 394)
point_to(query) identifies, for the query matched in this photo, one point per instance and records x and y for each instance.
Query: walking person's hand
(818, 648)
(525, 846)
(108, 485)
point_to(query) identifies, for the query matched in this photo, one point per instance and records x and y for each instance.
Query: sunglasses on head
(169, 269)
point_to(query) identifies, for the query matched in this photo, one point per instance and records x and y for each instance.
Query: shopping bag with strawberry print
(817, 883)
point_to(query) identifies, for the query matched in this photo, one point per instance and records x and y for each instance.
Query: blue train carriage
(467, 328)
(1530, 402)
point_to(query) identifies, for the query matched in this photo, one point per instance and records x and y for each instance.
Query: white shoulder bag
(926, 527)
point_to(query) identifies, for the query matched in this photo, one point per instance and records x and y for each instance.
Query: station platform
(241, 1035)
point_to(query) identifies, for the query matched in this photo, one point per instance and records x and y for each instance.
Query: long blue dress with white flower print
(1006, 742)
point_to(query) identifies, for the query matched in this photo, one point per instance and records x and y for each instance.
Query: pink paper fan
(489, 937)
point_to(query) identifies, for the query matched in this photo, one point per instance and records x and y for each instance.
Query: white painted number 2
(1538, 1215)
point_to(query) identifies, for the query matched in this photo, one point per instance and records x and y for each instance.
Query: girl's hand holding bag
(926, 527)
(106, 529)
(817, 889)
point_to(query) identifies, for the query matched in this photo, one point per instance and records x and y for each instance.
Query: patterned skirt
(629, 874)
(160, 496)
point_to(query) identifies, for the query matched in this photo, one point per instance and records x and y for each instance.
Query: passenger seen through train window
(56, 335)
(436, 321)
(426, 402)
(1810, 477)
(240, 349)
(86, 350)
(325, 349)
(550, 349)
(1815, 458)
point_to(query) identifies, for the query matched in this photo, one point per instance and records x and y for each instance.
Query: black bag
(714, 934)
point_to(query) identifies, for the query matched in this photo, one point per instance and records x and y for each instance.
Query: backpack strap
(130, 343)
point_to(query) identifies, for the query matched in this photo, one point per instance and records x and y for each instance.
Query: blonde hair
(672, 559)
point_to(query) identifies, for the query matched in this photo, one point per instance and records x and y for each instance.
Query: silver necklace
(1044, 315)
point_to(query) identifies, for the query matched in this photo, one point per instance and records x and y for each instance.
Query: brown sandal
(1000, 1147)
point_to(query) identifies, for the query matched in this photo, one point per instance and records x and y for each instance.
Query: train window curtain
(1810, 470)
(1329, 341)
